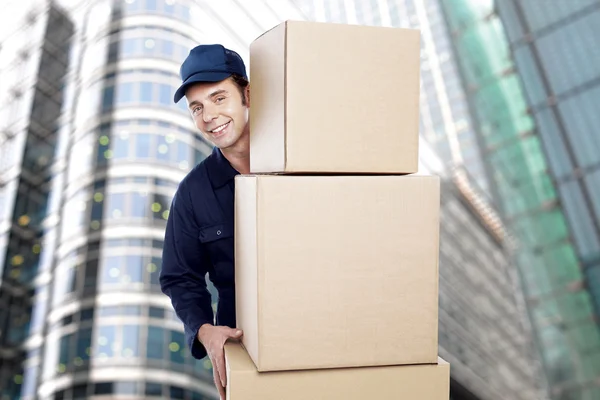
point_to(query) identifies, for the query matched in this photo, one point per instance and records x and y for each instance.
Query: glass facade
(81, 246)
(101, 324)
(530, 85)
(92, 150)
(445, 120)
(33, 97)
(558, 63)
(484, 328)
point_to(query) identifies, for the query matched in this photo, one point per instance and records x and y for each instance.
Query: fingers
(215, 339)
(235, 333)
(220, 359)
(217, 380)
(221, 391)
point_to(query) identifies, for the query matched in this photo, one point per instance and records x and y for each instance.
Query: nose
(208, 114)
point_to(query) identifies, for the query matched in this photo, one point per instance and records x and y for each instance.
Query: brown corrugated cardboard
(337, 271)
(331, 97)
(410, 382)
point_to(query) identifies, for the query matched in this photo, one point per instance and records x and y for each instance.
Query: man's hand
(213, 339)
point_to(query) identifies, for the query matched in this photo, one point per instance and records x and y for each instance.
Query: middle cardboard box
(337, 271)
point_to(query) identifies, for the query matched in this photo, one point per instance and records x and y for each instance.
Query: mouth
(219, 130)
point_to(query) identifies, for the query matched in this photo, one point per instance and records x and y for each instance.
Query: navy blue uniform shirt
(199, 240)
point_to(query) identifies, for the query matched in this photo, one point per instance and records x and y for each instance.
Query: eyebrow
(213, 94)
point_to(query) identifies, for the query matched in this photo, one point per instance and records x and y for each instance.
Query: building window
(554, 145)
(156, 312)
(142, 145)
(133, 269)
(125, 93)
(176, 392)
(115, 205)
(151, 5)
(107, 98)
(139, 209)
(131, 341)
(153, 389)
(586, 239)
(581, 119)
(160, 7)
(83, 347)
(146, 92)
(105, 341)
(176, 350)
(165, 94)
(156, 341)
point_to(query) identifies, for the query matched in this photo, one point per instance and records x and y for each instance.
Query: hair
(242, 84)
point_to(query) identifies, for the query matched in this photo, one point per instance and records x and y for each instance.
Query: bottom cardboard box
(403, 382)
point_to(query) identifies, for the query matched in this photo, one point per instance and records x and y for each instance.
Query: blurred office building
(532, 75)
(33, 62)
(484, 331)
(524, 130)
(92, 148)
(557, 57)
(445, 120)
(447, 124)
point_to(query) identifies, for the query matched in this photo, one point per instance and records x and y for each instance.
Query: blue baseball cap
(209, 63)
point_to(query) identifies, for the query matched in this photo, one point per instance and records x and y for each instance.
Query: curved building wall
(98, 324)
(126, 145)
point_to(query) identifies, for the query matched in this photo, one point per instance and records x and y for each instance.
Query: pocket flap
(215, 232)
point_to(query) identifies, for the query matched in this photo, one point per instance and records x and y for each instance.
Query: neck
(238, 155)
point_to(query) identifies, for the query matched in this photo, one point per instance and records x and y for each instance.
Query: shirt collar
(220, 170)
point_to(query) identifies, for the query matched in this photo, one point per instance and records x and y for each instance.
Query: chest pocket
(211, 233)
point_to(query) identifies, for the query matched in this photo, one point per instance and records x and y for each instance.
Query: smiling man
(199, 234)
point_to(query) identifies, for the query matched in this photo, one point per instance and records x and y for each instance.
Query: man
(199, 234)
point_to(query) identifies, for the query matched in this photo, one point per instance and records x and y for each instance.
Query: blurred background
(92, 149)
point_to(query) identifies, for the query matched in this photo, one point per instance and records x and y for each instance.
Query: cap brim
(199, 77)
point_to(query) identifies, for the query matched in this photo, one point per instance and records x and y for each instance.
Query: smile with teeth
(220, 128)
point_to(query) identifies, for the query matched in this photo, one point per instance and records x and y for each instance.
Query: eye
(219, 99)
(196, 110)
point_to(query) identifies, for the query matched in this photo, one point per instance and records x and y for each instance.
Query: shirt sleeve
(182, 277)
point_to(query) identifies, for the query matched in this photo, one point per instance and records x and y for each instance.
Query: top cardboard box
(334, 98)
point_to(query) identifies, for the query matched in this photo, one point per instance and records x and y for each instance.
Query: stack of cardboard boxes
(336, 237)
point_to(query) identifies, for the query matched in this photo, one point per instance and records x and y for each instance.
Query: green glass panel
(538, 283)
(563, 262)
(544, 312)
(542, 229)
(561, 310)
(574, 307)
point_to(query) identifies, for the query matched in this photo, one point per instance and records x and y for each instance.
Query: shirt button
(218, 232)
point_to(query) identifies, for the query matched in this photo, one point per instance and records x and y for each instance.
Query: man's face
(218, 111)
